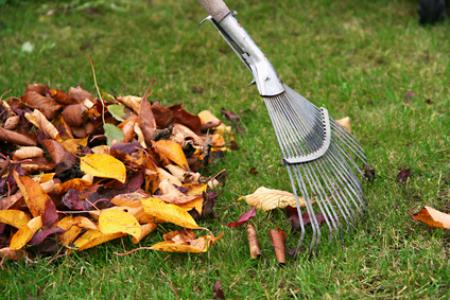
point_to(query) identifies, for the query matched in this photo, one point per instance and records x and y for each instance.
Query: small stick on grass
(278, 237)
(253, 244)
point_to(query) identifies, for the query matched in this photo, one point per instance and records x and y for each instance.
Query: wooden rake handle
(217, 9)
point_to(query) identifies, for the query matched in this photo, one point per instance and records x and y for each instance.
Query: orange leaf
(16, 218)
(34, 195)
(433, 217)
(171, 151)
(25, 233)
(92, 238)
(145, 230)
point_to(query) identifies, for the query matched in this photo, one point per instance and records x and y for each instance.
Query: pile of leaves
(77, 171)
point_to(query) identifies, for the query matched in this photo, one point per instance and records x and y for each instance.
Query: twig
(94, 76)
(132, 251)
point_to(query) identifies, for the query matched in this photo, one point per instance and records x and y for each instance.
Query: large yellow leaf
(168, 213)
(34, 195)
(117, 220)
(268, 199)
(92, 238)
(172, 151)
(25, 233)
(13, 217)
(197, 204)
(103, 165)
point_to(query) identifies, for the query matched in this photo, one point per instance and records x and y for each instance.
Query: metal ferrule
(264, 75)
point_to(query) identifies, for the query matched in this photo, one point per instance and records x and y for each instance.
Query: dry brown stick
(278, 237)
(253, 244)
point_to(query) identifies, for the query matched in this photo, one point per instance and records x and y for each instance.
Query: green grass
(357, 58)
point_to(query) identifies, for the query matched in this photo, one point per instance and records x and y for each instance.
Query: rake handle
(217, 9)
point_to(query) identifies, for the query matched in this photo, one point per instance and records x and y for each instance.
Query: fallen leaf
(403, 175)
(253, 171)
(244, 218)
(233, 117)
(218, 291)
(171, 213)
(27, 152)
(103, 165)
(39, 120)
(16, 138)
(208, 120)
(25, 233)
(146, 229)
(346, 123)
(75, 114)
(116, 220)
(184, 241)
(268, 199)
(35, 197)
(172, 151)
(48, 106)
(8, 253)
(13, 217)
(117, 111)
(369, 172)
(146, 121)
(92, 238)
(432, 217)
(185, 118)
(113, 134)
(253, 244)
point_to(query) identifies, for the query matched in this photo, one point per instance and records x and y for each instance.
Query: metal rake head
(322, 160)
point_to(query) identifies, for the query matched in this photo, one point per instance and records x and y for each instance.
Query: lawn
(357, 58)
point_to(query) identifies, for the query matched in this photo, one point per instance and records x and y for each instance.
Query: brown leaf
(183, 117)
(57, 151)
(253, 171)
(432, 217)
(41, 122)
(218, 291)
(74, 114)
(39, 88)
(346, 123)
(233, 117)
(163, 115)
(48, 106)
(181, 134)
(78, 94)
(60, 97)
(403, 175)
(16, 138)
(11, 123)
(146, 121)
(369, 172)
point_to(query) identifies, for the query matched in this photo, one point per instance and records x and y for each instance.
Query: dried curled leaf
(146, 229)
(432, 217)
(171, 213)
(28, 152)
(39, 120)
(16, 138)
(117, 220)
(103, 165)
(268, 199)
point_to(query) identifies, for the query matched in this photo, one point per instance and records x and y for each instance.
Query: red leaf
(50, 214)
(163, 115)
(187, 119)
(244, 218)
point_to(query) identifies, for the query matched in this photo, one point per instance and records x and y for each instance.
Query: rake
(321, 157)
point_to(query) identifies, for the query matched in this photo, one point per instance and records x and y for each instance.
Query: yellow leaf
(25, 233)
(207, 117)
(145, 230)
(69, 235)
(197, 204)
(81, 221)
(34, 195)
(268, 199)
(168, 213)
(117, 220)
(103, 165)
(171, 151)
(433, 217)
(72, 145)
(168, 246)
(16, 218)
(92, 238)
